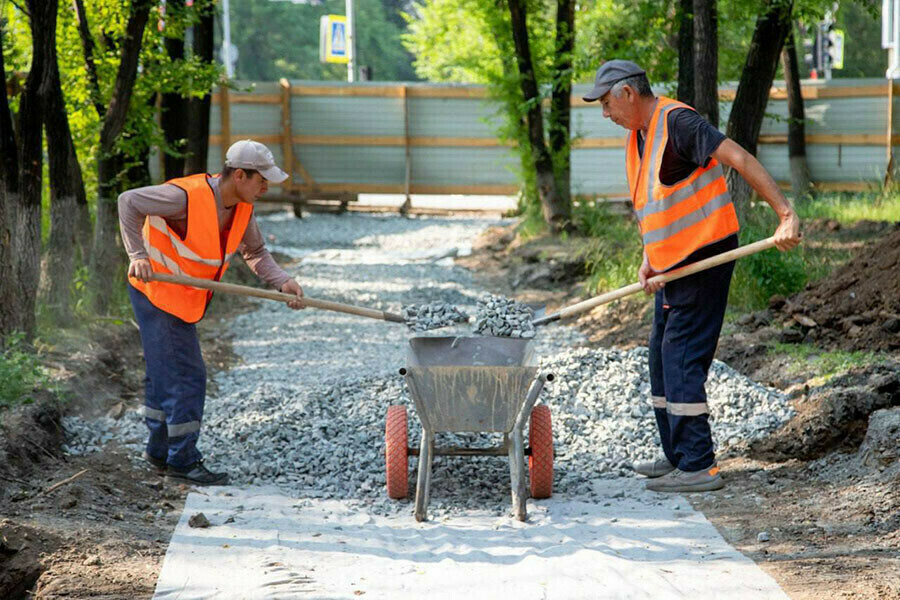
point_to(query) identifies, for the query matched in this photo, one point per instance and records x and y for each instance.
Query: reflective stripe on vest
(199, 254)
(677, 219)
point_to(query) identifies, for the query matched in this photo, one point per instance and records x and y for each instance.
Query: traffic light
(834, 44)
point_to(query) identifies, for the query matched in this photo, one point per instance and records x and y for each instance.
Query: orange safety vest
(677, 219)
(199, 254)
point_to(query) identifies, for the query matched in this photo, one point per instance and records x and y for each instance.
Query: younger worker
(673, 161)
(191, 226)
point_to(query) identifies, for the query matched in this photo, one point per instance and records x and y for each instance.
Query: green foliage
(863, 55)
(612, 252)
(20, 372)
(643, 31)
(157, 74)
(760, 276)
(878, 205)
(470, 41)
(806, 358)
(281, 39)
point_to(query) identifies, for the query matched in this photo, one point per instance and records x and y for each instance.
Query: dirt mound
(833, 416)
(29, 435)
(855, 308)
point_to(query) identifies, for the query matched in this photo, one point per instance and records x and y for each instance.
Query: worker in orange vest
(191, 226)
(673, 161)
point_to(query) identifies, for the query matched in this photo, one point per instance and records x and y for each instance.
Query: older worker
(673, 161)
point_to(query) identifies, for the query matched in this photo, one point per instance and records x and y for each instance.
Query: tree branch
(87, 42)
(117, 112)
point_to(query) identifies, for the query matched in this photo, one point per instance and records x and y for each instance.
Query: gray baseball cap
(247, 154)
(610, 73)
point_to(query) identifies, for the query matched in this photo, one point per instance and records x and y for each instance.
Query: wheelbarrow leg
(423, 481)
(517, 473)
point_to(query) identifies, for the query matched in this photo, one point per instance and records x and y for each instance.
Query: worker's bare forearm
(732, 155)
(787, 235)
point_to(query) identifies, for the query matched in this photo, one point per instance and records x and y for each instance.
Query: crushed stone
(304, 408)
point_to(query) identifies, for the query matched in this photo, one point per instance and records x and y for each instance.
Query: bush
(20, 373)
(612, 254)
(760, 276)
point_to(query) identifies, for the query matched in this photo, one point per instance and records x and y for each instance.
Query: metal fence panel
(363, 135)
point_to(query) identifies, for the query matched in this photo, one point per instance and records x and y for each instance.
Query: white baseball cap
(247, 154)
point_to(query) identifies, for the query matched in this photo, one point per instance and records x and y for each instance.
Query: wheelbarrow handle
(243, 290)
(634, 288)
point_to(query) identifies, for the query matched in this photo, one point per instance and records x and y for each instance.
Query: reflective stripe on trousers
(175, 382)
(687, 321)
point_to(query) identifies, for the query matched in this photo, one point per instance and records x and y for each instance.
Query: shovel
(242, 290)
(634, 288)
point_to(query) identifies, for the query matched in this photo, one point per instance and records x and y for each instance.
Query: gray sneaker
(653, 468)
(706, 480)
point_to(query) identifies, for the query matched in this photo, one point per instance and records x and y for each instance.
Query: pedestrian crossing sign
(333, 43)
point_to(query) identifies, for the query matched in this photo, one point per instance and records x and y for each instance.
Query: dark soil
(857, 306)
(833, 416)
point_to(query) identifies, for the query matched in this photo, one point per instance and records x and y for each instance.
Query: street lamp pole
(226, 44)
(351, 43)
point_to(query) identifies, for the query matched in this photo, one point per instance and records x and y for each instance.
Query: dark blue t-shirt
(692, 140)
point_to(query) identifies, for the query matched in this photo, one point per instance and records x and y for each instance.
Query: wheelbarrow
(472, 384)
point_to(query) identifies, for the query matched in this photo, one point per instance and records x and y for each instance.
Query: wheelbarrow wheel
(540, 462)
(395, 452)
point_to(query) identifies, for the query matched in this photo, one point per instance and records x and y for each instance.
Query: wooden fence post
(407, 203)
(888, 170)
(287, 145)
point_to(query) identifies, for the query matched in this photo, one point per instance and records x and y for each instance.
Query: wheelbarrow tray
(471, 384)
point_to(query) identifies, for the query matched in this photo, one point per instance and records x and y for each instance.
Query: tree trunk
(555, 212)
(561, 105)
(10, 317)
(686, 52)
(106, 260)
(706, 61)
(174, 118)
(752, 96)
(31, 114)
(198, 108)
(66, 198)
(800, 182)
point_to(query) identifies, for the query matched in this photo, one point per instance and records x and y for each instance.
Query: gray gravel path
(304, 408)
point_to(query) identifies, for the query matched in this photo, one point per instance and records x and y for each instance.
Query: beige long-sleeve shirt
(170, 202)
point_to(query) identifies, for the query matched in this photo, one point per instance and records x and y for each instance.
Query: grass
(20, 373)
(820, 364)
(612, 248)
(883, 205)
(760, 276)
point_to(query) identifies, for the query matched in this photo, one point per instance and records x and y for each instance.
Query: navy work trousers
(175, 382)
(686, 326)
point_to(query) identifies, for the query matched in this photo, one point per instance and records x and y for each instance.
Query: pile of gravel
(434, 315)
(502, 316)
(304, 409)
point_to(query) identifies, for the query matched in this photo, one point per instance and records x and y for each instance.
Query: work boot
(706, 480)
(653, 468)
(196, 474)
(159, 464)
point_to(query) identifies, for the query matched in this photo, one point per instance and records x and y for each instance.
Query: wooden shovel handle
(243, 290)
(702, 265)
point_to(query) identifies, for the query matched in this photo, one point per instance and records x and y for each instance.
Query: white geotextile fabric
(264, 545)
